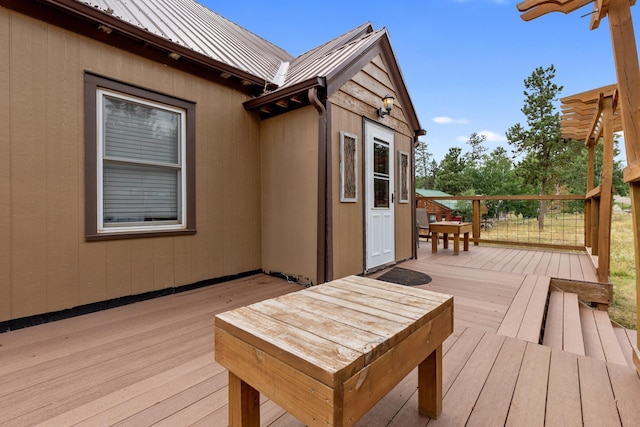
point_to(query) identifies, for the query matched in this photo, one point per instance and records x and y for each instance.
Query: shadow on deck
(151, 363)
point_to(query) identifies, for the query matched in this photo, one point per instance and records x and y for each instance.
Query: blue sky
(464, 61)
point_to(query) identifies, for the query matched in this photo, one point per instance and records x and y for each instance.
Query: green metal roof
(450, 204)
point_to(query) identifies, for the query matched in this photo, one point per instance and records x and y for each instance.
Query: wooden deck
(151, 363)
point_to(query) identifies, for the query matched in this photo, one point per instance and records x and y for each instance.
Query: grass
(568, 229)
(623, 272)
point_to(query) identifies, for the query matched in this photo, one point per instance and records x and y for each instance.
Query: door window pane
(380, 174)
(381, 193)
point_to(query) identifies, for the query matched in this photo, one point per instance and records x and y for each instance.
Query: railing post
(606, 192)
(476, 221)
(594, 229)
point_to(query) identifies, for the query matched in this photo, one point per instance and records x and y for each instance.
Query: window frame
(404, 163)
(348, 174)
(95, 87)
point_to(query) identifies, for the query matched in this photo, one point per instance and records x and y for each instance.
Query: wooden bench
(329, 353)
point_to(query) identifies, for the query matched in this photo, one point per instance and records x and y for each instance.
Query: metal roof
(191, 25)
(324, 62)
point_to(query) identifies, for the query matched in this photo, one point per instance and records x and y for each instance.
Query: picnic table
(329, 353)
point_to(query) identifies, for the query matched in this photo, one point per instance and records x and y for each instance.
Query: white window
(141, 168)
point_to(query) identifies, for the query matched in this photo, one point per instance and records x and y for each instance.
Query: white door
(379, 161)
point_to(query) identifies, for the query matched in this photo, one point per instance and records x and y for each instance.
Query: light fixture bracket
(388, 105)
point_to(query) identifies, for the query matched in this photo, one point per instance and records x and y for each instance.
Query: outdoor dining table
(327, 354)
(450, 227)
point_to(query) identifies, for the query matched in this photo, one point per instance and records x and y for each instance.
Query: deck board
(152, 362)
(563, 396)
(530, 395)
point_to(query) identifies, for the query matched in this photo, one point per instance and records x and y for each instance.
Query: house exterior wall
(442, 212)
(290, 194)
(356, 101)
(45, 263)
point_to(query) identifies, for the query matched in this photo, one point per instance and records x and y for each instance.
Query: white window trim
(343, 171)
(403, 175)
(179, 225)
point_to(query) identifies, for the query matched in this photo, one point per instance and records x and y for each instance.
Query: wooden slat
(513, 318)
(625, 384)
(532, 320)
(494, 401)
(573, 341)
(554, 325)
(610, 345)
(626, 343)
(530, 394)
(319, 358)
(592, 345)
(465, 390)
(598, 404)
(563, 395)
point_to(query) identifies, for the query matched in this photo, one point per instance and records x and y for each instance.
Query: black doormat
(403, 276)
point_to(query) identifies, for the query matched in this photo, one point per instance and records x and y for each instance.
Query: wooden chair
(422, 223)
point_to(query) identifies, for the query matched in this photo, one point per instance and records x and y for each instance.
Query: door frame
(385, 253)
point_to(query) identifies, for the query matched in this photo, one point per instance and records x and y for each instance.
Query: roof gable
(331, 65)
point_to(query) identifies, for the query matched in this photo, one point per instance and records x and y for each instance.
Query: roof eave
(285, 93)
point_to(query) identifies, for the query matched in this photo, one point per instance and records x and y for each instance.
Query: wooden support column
(606, 193)
(628, 74)
(476, 221)
(590, 185)
(594, 212)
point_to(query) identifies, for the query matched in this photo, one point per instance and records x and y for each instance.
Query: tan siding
(5, 170)
(290, 193)
(28, 166)
(404, 227)
(358, 98)
(63, 149)
(163, 262)
(142, 258)
(118, 268)
(45, 262)
(348, 226)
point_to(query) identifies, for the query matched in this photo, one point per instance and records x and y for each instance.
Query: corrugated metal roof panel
(195, 27)
(324, 65)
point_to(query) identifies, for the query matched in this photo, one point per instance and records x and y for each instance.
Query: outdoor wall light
(388, 105)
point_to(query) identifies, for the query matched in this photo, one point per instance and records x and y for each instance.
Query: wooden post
(244, 404)
(476, 221)
(587, 203)
(430, 384)
(595, 216)
(628, 74)
(606, 193)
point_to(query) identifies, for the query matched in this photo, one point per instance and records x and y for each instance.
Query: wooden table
(329, 353)
(454, 227)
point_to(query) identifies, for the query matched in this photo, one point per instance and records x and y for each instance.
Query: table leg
(244, 403)
(466, 241)
(445, 240)
(434, 242)
(430, 384)
(456, 244)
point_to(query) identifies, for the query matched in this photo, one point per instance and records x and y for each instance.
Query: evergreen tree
(423, 163)
(546, 153)
(450, 176)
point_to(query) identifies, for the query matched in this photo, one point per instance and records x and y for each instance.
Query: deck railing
(570, 222)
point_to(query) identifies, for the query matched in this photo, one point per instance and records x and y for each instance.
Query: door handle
(392, 194)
